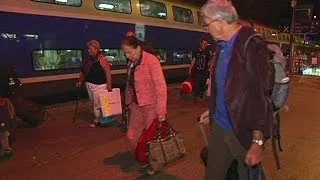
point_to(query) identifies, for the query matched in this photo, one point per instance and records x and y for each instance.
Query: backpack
(280, 83)
(279, 92)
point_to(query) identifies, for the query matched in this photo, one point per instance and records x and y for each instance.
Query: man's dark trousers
(201, 79)
(223, 148)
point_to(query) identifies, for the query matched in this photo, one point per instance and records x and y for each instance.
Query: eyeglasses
(207, 25)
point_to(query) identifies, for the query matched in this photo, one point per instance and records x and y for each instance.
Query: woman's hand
(78, 84)
(162, 118)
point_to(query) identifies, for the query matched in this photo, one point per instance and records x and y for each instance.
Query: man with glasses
(239, 112)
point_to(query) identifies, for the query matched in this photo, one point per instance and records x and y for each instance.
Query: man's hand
(286, 108)
(204, 118)
(254, 155)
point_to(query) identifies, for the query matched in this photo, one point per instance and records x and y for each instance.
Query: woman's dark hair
(131, 41)
(134, 43)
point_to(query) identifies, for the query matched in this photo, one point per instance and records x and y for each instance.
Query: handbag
(167, 147)
(110, 103)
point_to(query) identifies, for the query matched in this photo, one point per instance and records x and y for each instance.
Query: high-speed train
(45, 40)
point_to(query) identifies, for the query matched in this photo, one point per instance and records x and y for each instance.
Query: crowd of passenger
(238, 113)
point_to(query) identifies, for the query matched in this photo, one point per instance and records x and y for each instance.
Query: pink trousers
(140, 118)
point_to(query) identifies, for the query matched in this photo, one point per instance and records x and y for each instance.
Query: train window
(153, 9)
(182, 56)
(122, 6)
(283, 37)
(200, 18)
(163, 55)
(182, 14)
(56, 59)
(62, 2)
(115, 56)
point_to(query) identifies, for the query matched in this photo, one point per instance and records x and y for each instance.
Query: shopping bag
(110, 102)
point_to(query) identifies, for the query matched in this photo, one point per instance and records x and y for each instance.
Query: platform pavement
(59, 149)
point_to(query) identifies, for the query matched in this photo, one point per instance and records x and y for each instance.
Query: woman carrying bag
(96, 75)
(146, 94)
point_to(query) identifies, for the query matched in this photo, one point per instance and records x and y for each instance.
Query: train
(45, 40)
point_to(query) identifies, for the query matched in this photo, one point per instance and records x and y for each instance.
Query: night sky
(270, 12)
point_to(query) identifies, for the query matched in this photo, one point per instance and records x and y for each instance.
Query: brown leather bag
(166, 148)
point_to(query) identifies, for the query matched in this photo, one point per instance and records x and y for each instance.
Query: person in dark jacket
(240, 111)
(6, 115)
(96, 75)
(200, 66)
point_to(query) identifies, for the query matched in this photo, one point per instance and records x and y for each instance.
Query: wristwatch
(259, 142)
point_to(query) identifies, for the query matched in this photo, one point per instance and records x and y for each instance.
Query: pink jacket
(150, 84)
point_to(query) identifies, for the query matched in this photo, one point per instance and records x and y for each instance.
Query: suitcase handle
(202, 131)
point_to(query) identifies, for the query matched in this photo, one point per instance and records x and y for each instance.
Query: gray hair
(220, 9)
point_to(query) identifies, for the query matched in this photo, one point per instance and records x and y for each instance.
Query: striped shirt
(202, 58)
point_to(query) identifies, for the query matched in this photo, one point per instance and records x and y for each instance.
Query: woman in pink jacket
(146, 91)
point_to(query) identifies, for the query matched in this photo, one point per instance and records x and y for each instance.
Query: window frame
(55, 70)
(39, 1)
(165, 57)
(153, 16)
(114, 11)
(179, 7)
(200, 19)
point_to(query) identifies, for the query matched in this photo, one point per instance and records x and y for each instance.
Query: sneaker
(95, 124)
(150, 171)
(142, 168)
(196, 99)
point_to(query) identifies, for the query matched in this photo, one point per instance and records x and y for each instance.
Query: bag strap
(203, 134)
(248, 40)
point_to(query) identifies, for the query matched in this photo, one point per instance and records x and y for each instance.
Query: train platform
(60, 149)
